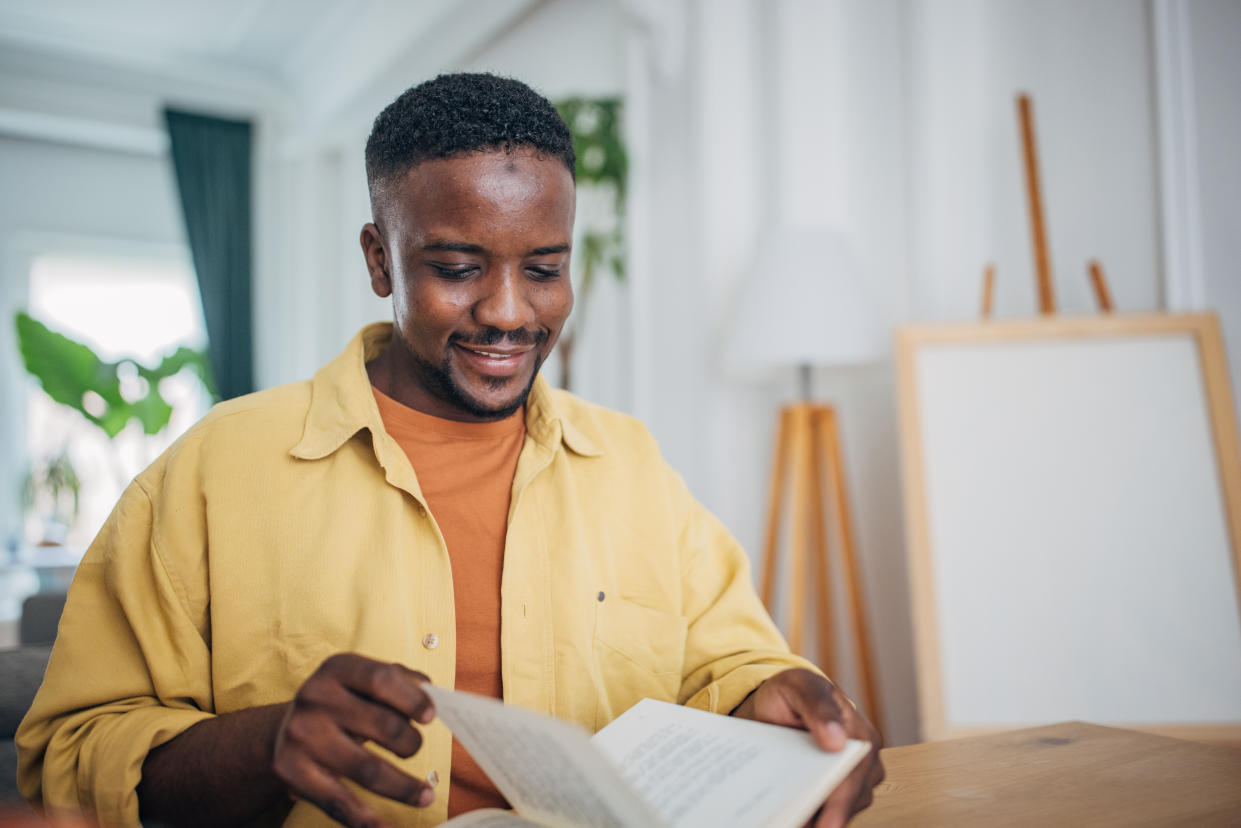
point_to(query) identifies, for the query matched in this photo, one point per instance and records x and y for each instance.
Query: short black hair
(462, 113)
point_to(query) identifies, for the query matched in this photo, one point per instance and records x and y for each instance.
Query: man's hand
(348, 700)
(230, 768)
(806, 700)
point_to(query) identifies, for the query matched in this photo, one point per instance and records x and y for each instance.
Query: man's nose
(505, 304)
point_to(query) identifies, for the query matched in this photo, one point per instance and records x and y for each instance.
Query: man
(248, 638)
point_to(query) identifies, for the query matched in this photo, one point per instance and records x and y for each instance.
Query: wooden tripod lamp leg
(802, 506)
(775, 489)
(823, 606)
(857, 605)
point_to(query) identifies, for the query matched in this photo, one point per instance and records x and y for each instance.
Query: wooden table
(1063, 774)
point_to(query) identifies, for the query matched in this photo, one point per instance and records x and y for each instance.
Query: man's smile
(496, 354)
(495, 360)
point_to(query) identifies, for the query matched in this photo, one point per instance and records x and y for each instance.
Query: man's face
(474, 252)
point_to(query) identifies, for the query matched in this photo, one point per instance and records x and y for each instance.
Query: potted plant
(53, 492)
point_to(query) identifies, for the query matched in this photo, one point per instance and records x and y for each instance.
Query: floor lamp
(807, 308)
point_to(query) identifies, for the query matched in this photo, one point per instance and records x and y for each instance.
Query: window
(137, 307)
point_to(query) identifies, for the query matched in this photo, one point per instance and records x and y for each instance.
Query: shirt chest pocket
(640, 653)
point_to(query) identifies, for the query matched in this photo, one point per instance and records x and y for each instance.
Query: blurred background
(886, 124)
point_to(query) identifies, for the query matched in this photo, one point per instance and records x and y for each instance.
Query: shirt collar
(549, 425)
(341, 404)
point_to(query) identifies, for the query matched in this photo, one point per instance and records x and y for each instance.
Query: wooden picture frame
(1000, 641)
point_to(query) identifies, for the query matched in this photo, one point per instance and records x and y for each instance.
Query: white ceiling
(279, 39)
(71, 61)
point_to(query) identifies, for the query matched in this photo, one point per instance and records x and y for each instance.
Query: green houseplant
(107, 394)
(74, 375)
(602, 169)
(54, 491)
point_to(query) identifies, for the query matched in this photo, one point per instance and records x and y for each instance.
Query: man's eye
(545, 272)
(452, 272)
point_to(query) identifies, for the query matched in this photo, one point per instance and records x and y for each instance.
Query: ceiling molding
(82, 132)
(91, 66)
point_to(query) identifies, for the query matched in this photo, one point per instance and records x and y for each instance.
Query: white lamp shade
(802, 302)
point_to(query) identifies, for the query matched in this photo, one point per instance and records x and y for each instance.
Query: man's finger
(815, 703)
(874, 775)
(342, 756)
(394, 685)
(855, 794)
(364, 718)
(863, 802)
(842, 803)
(838, 808)
(323, 790)
(877, 773)
(384, 727)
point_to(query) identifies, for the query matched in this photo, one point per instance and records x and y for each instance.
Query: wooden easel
(809, 437)
(1038, 230)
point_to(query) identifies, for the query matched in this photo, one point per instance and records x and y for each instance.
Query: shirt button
(430, 641)
(601, 596)
(433, 778)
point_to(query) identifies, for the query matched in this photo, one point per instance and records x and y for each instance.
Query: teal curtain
(212, 161)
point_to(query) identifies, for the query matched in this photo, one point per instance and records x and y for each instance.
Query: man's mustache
(494, 336)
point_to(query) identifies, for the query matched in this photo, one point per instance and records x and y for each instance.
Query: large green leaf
(179, 359)
(74, 375)
(596, 128)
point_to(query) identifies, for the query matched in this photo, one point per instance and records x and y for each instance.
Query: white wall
(893, 122)
(563, 48)
(772, 122)
(1087, 67)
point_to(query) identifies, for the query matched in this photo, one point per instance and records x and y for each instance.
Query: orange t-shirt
(466, 474)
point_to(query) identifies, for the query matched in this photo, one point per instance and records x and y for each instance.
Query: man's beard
(438, 378)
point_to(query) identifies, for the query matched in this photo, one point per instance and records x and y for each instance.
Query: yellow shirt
(288, 525)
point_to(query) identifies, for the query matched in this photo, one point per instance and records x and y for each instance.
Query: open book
(659, 764)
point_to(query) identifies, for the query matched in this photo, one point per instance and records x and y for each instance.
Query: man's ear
(376, 260)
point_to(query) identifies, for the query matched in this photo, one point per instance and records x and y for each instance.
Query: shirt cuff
(110, 766)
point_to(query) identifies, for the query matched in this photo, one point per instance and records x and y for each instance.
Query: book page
(546, 768)
(696, 768)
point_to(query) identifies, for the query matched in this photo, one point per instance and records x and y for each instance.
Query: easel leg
(857, 605)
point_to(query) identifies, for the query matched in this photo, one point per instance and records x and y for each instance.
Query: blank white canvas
(1080, 555)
